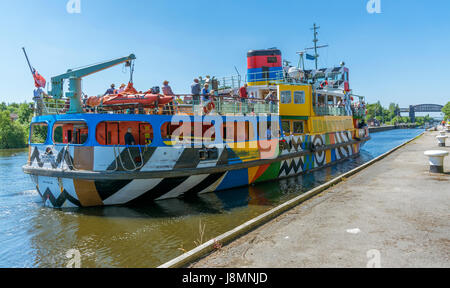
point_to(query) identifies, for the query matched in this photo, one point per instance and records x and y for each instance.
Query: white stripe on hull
(183, 187)
(132, 191)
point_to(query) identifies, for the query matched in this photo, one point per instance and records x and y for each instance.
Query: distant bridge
(413, 109)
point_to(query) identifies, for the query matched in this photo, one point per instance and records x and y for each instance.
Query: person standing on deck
(38, 98)
(129, 138)
(111, 90)
(270, 100)
(252, 101)
(121, 88)
(205, 93)
(195, 91)
(243, 93)
(167, 91)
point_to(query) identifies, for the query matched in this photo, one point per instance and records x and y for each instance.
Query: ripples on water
(141, 236)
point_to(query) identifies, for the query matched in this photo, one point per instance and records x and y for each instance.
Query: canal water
(146, 236)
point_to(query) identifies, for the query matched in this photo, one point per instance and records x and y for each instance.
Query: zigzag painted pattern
(125, 191)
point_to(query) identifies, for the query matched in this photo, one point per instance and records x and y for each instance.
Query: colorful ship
(294, 121)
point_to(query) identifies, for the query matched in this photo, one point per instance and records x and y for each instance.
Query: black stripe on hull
(135, 152)
(159, 190)
(208, 181)
(107, 188)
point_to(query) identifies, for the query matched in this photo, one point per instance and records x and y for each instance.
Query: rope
(70, 158)
(132, 160)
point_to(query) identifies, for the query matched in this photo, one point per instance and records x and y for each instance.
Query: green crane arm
(75, 77)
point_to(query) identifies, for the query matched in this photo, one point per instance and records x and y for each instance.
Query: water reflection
(143, 235)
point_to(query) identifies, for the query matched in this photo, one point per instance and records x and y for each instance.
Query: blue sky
(401, 55)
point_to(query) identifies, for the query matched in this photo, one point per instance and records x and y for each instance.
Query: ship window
(286, 97)
(299, 97)
(272, 60)
(286, 127)
(266, 128)
(73, 132)
(237, 131)
(113, 132)
(38, 133)
(299, 127)
(193, 132)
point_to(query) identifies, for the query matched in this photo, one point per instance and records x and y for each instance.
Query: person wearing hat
(111, 90)
(205, 93)
(167, 91)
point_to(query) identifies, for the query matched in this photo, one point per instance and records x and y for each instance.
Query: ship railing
(196, 105)
(227, 83)
(329, 110)
(50, 106)
(359, 112)
(272, 78)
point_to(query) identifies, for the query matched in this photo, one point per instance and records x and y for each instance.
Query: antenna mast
(315, 40)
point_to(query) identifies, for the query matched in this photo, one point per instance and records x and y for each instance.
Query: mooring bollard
(436, 158)
(441, 140)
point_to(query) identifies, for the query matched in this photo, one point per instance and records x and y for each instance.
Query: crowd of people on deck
(201, 94)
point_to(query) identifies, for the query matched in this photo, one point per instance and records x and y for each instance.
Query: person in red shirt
(243, 93)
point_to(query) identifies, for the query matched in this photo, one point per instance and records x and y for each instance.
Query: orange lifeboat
(130, 97)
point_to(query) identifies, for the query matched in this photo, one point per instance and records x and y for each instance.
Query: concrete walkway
(395, 207)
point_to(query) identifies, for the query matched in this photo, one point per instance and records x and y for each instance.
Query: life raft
(128, 97)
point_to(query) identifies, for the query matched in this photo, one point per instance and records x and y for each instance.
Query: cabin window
(299, 97)
(286, 127)
(237, 131)
(70, 132)
(286, 97)
(113, 132)
(38, 133)
(299, 127)
(192, 132)
(272, 60)
(266, 128)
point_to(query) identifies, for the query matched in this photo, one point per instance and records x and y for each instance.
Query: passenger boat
(185, 146)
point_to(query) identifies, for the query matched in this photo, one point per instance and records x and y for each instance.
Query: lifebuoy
(209, 107)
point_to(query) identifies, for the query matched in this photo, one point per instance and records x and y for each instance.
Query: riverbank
(395, 207)
(391, 127)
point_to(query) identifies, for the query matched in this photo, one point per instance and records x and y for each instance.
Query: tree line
(446, 111)
(391, 115)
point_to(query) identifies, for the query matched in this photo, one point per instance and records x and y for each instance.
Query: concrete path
(394, 211)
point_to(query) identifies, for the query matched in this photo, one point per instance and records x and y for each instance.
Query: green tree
(25, 113)
(394, 111)
(12, 134)
(446, 111)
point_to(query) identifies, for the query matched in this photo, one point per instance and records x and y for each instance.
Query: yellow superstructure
(295, 100)
(296, 105)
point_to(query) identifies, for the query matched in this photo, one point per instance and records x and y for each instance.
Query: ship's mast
(315, 40)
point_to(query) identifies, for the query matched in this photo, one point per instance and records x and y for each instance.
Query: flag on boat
(310, 57)
(39, 81)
